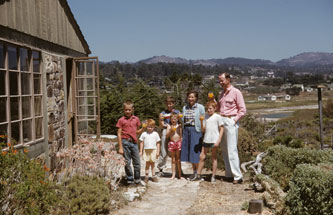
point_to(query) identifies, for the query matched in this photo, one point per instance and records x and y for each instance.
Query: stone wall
(55, 105)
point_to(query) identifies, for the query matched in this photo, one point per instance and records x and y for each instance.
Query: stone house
(49, 88)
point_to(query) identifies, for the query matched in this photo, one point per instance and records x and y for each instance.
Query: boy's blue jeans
(131, 153)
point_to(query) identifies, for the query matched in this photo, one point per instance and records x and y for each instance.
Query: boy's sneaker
(140, 184)
(160, 173)
(213, 180)
(193, 177)
(146, 179)
(154, 179)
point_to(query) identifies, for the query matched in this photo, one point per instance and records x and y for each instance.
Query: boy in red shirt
(128, 127)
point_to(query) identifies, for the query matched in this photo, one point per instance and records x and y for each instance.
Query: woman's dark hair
(196, 94)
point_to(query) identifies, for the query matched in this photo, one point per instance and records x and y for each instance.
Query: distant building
(308, 89)
(285, 86)
(270, 74)
(280, 97)
(330, 87)
(299, 86)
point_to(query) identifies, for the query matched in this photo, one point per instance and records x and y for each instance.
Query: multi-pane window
(21, 115)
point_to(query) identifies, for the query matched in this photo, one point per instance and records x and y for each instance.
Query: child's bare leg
(147, 168)
(179, 171)
(214, 160)
(173, 164)
(152, 164)
(202, 159)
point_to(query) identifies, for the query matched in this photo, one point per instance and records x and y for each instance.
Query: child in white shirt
(150, 148)
(212, 126)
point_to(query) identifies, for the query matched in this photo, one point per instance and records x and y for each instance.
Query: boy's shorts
(208, 145)
(174, 146)
(149, 155)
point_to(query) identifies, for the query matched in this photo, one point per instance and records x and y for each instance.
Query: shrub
(311, 190)
(87, 195)
(328, 108)
(23, 186)
(281, 161)
(288, 141)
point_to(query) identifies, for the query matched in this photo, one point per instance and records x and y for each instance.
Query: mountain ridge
(299, 60)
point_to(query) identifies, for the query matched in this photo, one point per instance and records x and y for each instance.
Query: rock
(255, 206)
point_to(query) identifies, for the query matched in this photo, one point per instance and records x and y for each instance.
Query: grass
(272, 104)
(304, 98)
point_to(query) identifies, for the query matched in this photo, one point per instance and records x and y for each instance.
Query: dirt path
(176, 197)
(165, 196)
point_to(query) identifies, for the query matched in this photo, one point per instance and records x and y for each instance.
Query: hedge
(311, 190)
(281, 161)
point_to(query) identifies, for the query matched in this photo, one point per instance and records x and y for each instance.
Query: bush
(87, 195)
(328, 108)
(311, 190)
(281, 161)
(288, 141)
(23, 186)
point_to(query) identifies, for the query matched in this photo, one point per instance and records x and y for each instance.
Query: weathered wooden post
(320, 106)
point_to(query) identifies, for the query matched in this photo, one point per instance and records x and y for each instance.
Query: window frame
(30, 75)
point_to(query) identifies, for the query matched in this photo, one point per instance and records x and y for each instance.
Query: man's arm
(120, 143)
(240, 106)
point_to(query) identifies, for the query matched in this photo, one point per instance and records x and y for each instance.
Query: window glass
(37, 84)
(81, 69)
(25, 83)
(13, 79)
(39, 127)
(16, 132)
(14, 108)
(12, 58)
(38, 106)
(24, 59)
(3, 109)
(36, 61)
(2, 82)
(2, 56)
(27, 131)
(90, 68)
(85, 84)
(26, 106)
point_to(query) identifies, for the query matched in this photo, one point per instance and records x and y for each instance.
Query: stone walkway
(183, 197)
(172, 197)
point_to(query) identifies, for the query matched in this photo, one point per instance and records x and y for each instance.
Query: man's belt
(229, 116)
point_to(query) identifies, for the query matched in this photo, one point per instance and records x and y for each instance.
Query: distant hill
(308, 59)
(300, 60)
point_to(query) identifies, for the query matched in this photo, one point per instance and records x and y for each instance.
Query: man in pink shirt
(232, 108)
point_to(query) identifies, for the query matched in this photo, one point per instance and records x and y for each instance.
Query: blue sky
(133, 30)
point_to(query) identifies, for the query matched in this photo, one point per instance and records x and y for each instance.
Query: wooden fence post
(320, 106)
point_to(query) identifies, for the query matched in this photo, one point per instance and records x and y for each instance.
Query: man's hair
(169, 99)
(196, 94)
(211, 103)
(226, 75)
(128, 103)
(151, 122)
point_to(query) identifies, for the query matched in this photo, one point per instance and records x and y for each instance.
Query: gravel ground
(180, 196)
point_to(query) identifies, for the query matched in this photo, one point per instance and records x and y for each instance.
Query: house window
(21, 99)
